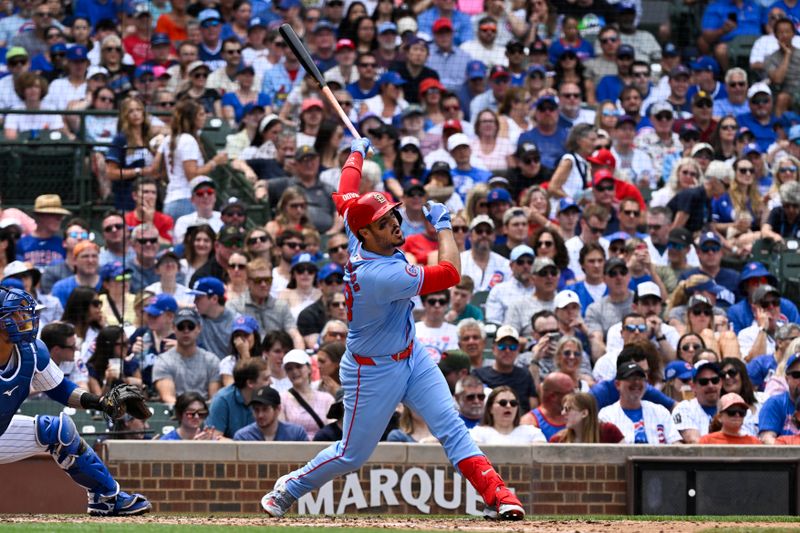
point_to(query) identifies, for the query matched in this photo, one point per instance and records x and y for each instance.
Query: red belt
(399, 356)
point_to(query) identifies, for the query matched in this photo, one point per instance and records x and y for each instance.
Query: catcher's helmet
(367, 209)
(19, 316)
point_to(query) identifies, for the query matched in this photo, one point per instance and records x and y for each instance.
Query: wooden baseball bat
(301, 52)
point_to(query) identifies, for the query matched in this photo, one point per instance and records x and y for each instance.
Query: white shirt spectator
(689, 414)
(767, 45)
(747, 338)
(20, 123)
(497, 270)
(62, 92)
(657, 421)
(443, 338)
(182, 293)
(574, 246)
(660, 259)
(193, 219)
(375, 105)
(501, 296)
(614, 339)
(635, 167)
(491, 56)
(186, 149)
(520, 435)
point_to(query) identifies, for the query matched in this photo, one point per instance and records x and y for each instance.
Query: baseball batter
(25, 367)
(383, 365)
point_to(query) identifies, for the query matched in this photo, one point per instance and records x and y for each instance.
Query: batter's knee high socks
(480, 472)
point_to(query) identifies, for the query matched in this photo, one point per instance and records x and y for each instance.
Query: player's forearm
(448, 249)
(351, 174)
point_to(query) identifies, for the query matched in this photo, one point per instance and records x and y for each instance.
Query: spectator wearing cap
(618, 301)
(693, 417)
(486, 47)
(504, 372)
(736, 86)
(702, 110)
(243, 96)
(210, 46)
(465, 174)
(518, 285)
(215, 318)
(410, 73)
(550, 134)
(476, 85)
(753, 276)
(568, 314)
(269, 426)
(761, 119)
(161, 55)
(72, 87)
(605, 63)
(302, 289)
(759, 337)
(462, 25)
(137, 44)
(367, 85)
(230, 239)
(85, 254)
(312, 319)
(118, 302)
(390, 101)
(204, 196)
(168, 270)
(660, 141)
(186, 367)
(244, 345)
(724, 23)
(545, 275)
(303, 404)
(499, 82)
(484, 266)
(643, 42)
(277, 82)
(691, 207)
(17, 62)
(528, 170)
(29, 276)
(731, 413)
(593, 226)
(668, 248)
(609, 87)
(156, 335)
(387, 52)
(344, 71)
(640, 421)
(271, 313)
(709, 246)
(449, 60)
(516, 53)
(677, 87)
(323, 43)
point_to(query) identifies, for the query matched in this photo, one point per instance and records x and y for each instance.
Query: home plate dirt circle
(444, 524)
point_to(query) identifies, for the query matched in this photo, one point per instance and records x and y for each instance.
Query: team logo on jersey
(412, 271)
(662, 437)
(497, 277)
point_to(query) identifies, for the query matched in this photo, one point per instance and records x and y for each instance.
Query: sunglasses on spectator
(703, 104)
(17, 62)
(200, 75)
(279, 44)
(452, 108)
(367, 65)
(196, 414)
(259, 281)
(507, 403)
(306, 269)
(475, 396)
(113, 227)
(597, 231)
(531, 160)
(728, 127)
(460, 229)
(483, 231)
(632, 212)
(440, 302)
(255, 240)
(641, 328)
(512, 347)
(787, 169)
(186, 326)
(676, 246)
(570, 354)
(147, 240)
(606, 40)
(296, 245)
(338, 304)
(690, 347)
(761, 101)
(237, 266)
(604, 188)
(113, 49)
(544, 244)
(730, 373)
(337, 334)
(704, 310)
(97, 303)
(124, 277)
(602, 147)
(571, 95)
(737, 84)
(548, 272)
(524, 261)
(340, 248)
(664, 116)
(333, 280)
(746, 170)
(617, 249)
(617, 272)
(735, 412)
(705, 381)
(794, 374)
(766, 304)
(80, 235)
(298, 205)
(654, 227)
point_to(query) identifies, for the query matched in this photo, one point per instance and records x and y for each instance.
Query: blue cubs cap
(626, 50)
(58, 48)
(257, 22)
(157, 39)
(670, 50)
(288, 4)
(498, 195)
(795, 357)
(756, 270)
(141, 70)
(78, 53)
(160, 304)
(794, 132)
(324, 25)
(618, 236)
(678, 370)
(705, 63)
(546, 99)
(568, 203)
(626, 6)
(520, 250)
(709, 236)
(208, 286)
(391, 77)
(476, 69)
(329, 270)
(207, 16)
(751, 148)
(415, 39)
(705, 365)
(537, 69)
(384, 27)
(112, 270)
(303, 258)
(244, 323)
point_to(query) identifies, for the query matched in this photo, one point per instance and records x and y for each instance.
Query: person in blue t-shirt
(609, 87)
(549, 135)
(777, 416)
(760, 120)
(709, 252)
(465, 176)
(752, 276)
(763, 367)
(266, 405)
(45, 246)
(191, 411)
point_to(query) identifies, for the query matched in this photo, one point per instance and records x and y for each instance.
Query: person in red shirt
(603, 158)
(137, 44)
(731, 412)
(145, 193)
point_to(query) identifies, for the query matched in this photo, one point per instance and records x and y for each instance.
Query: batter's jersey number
(348, 294)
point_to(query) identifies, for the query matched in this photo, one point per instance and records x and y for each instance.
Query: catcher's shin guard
(500, 502)
(72, 454)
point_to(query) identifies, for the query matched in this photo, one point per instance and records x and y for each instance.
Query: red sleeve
(439, 277)
(349, 182)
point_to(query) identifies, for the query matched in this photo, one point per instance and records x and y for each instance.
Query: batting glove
(438, 215)
(361, 146)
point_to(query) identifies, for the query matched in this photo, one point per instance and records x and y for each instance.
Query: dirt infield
(550, 525)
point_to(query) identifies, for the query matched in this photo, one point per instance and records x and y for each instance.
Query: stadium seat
(479, 299)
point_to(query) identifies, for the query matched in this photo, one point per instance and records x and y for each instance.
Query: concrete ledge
(273, 452)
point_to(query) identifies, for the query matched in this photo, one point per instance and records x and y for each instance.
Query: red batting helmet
(367, 209)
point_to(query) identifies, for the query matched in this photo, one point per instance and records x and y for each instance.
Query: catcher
(25, 367)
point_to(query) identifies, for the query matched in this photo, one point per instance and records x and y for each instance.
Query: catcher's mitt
(124, 399)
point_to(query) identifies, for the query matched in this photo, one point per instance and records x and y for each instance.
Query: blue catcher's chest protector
(14, 389)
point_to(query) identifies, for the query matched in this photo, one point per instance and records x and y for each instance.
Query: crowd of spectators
(606, 186)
